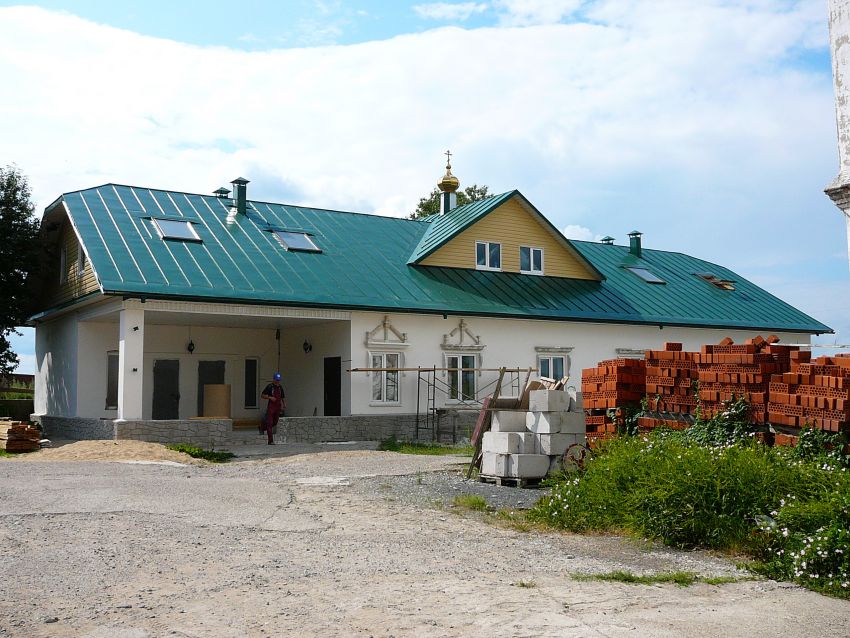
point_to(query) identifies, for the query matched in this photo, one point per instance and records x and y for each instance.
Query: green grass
(526, 584)
(472, 502)
(5, 453)
(683, 579)
(789, 510)
(414, 447)
(198, 453)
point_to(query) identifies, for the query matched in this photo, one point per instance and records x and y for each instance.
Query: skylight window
(647, 275)
(296, 241)
(173, 229)
(714, 280)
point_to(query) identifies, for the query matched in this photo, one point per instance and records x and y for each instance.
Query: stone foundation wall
(204, 433)
(61, 427)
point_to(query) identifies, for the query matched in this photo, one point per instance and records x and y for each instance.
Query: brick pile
(614, 383)
(670, 377)
(814, 392)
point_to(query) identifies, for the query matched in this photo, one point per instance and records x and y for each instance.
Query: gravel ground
(327, 541)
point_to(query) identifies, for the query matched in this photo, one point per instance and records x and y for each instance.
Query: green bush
(789, 509)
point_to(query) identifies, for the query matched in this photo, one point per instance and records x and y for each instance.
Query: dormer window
(714, 280)
(296, 241)
(174, 229)
(488, 255)
(530, 260)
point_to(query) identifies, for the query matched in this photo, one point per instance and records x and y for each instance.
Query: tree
(431, 205)
(18, 257)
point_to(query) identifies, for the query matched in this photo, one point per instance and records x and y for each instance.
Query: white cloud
(689, 121)
(530, 12)
(574, 231)
(449, 11)
(26, 364)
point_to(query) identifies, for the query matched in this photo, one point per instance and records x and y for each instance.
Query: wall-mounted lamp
(191, 346)
(308, 347)
(135, 328)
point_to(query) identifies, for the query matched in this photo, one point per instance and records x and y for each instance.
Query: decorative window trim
(487, 255)
(465, 340)
(531, 261)
(554, 349)
(476, 363)
(630, 352)
(381, 336)
(383, 402)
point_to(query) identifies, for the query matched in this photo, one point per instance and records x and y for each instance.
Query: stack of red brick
(615, 383)
(670, 377)
(813, 393)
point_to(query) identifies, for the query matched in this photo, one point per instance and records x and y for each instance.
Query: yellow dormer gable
(512, 225)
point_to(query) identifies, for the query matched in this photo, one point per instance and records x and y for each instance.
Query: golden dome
(449, 183)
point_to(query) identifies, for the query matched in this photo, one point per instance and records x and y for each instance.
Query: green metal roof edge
(660, 322)
(39, 316)
(492, 203)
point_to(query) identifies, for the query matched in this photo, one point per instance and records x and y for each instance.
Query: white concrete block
(508, 442)
(495, 464)
(573, 423)
(553, 444)
(548, 401)
(508, 421)
(528, 465)
(555, 464)
(544, 422)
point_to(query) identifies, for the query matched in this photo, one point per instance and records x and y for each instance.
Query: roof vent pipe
(221, 192)
(634, 243)
(240, 193)
(607, 240)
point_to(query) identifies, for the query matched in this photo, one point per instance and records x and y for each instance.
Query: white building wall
(511, 343)
(95, 339)
(303, 372)
(56, 367)
(231, 345)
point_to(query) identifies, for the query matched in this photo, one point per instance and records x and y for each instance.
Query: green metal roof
(363, 265)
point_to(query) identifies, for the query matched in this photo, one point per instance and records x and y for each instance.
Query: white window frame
(63, 264)
(531, 250)
(383, 377)
(550, 357)
(81, 260)
(487, 245)
(459, 370)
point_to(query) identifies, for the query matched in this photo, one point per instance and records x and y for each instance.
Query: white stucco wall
(303, 373)
(56, 367)
(511, 343)
(96, 339)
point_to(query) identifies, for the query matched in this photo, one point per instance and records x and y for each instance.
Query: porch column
(131, 349)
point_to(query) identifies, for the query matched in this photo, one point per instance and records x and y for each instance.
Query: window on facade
(647, 275)
(63, 265)
(81, 260)
(461, 377)
(553, 366)
(385, 381)
(174, 229)
(251, 373)
(531, 260)
(714, 280)
(112, 380)
(488, 255)
(296, 241)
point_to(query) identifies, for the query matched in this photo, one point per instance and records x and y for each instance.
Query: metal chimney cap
(607, 240)
(221, 191)
(635, 233)
(240, 181)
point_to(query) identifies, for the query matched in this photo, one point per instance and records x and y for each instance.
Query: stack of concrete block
(527, 444)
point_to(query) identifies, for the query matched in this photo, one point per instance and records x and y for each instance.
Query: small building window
(63, 265)
(488, 255)
(723, 284)
(81, 260)
(112, 380)
(530, 260)
(647, 275)
(173, 229)
(296, 241)
(461, 376)
(251, 376)
(552, 366)
(385, 377)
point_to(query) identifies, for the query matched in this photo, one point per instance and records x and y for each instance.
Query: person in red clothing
(277, 403)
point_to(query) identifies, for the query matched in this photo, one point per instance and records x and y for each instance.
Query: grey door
(333, 386)
(208, 372)
(166, 389)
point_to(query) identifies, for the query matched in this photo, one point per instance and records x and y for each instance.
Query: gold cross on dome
(448, 155)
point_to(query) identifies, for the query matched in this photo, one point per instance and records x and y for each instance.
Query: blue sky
(708, 125)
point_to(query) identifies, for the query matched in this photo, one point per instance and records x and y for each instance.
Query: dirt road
(337, 543)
